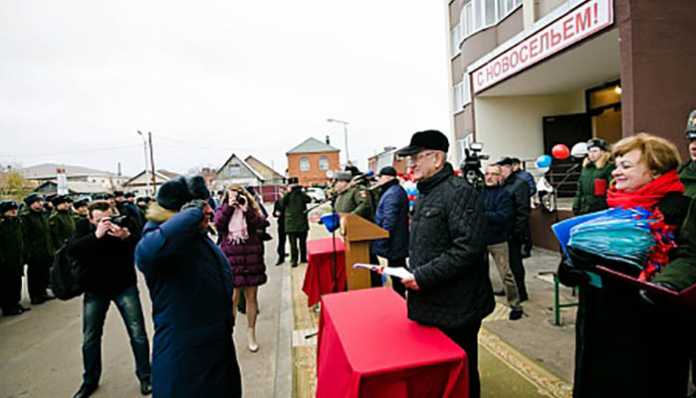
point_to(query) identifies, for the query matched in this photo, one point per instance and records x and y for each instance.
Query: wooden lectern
(357, 234)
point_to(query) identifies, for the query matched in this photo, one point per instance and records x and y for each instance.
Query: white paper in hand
(399, 272)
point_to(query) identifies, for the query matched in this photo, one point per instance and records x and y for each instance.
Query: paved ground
(41, 350)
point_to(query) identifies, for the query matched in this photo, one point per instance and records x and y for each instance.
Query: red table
(319, 277)
(369, 348)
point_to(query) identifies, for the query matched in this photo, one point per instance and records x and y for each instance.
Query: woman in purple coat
(239, 222)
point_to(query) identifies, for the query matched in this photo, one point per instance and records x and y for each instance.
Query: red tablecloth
(369, 348)
(319, 277)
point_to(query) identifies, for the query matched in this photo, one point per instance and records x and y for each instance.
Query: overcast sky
(208, 78)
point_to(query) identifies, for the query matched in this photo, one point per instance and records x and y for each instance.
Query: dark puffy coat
(11, 245)
(108, 262)
(294, 204)
(617, 353)
(529, 179)
(246, 259)
(592, 189)
(519, 190)
(392, 215)
(446, 254)
(38, 246)
(62, 226)
(497, 203)
(188, 277)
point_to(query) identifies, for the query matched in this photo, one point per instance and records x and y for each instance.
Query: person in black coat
(11, 259)
(189, 280)
(104, 250)
(632, 344)
(38, 248)
(279, 214)
(519, 236)
(450, 288)
(392, 215)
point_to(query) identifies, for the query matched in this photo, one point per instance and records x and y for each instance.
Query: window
(480, 14)
(323, 163)
(462, 95)
(304, 164)
(455, 39)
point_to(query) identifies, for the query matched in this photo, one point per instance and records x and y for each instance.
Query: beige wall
(512, 126)
(543, 7)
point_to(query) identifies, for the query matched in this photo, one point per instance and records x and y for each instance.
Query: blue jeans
(94, 314)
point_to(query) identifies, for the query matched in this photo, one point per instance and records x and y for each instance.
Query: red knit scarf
(647, 197)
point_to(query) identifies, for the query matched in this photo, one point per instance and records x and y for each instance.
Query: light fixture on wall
(618, 90)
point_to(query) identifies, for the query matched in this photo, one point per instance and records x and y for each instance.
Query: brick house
(310, 161)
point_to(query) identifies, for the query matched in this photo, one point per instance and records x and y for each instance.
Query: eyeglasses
(420, 156)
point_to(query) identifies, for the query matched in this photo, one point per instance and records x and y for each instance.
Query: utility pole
(147, 180)
(152, 164)
(345, 134)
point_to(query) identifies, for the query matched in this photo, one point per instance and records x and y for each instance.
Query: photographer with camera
(104, 247)
(239, 223)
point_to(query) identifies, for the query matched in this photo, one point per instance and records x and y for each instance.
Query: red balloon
(560, 151)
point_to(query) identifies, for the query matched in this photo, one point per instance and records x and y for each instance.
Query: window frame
(305, 160)
(323, 159)
(477, 8)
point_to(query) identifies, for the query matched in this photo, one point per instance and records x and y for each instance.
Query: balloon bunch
(410, 186)
(559, 152)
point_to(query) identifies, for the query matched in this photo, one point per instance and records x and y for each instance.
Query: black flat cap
(387, 171)
(422, 140)
(506, 161)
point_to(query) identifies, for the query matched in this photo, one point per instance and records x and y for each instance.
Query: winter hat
(82, 202)
(118, 194)
(422, 140)
(197, 188)
(60, 199)
(34, 197)
(129, 195)
(6, 205)
(343, 176)
(173, 194)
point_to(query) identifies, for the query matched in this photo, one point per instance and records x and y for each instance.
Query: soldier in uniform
(61, 222)
(352, 197)
(38, 248)
(11, 263)
(80, 209)
(687, 172)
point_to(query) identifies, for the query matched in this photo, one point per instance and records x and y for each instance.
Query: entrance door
(568, 130)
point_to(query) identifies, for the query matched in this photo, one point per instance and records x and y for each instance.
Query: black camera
(119, 220)
(471, 165)
(241, 200)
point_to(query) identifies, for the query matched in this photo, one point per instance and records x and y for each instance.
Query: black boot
(145, 387)
(85, 391)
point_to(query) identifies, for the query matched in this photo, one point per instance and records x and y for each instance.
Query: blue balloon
(543, 161)
(331, 221)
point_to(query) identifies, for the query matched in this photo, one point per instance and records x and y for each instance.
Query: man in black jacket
(38, 248)
(499, 209)
(279, 214)
(518, 188)
(11, 264)
(450, 288)
(106, 251)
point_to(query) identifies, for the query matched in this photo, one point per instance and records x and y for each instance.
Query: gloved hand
(571, 276)
(196, 204)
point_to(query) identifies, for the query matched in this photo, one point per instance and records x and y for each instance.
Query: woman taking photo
(594, 179)
(628, 346)
(239, 221)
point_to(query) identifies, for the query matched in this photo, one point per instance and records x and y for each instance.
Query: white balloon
(579, 150)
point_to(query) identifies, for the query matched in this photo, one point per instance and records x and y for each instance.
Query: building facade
(529, 74)
(311, 161)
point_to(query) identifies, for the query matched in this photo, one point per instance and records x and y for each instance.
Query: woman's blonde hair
(658, 154)
(604, 158)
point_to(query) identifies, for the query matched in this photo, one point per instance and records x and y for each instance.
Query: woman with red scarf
(627, 346)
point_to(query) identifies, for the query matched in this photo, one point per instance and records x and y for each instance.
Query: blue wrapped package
(622, 235)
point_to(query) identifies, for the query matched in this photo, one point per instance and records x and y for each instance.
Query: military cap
(33, 197)
(59, 199)
(343, 176)
(6, 205)
(597, 143)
